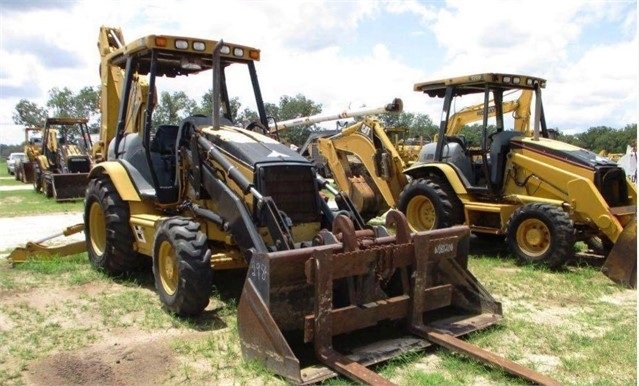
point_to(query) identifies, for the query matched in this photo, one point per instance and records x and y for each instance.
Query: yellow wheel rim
(420, 213)
(97, 228)
(533, 237)
(167, 265)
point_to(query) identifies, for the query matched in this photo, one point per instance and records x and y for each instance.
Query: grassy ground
(29, 202)
(62, 322)
(574, 326)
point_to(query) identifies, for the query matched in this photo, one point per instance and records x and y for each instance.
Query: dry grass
(574, 326)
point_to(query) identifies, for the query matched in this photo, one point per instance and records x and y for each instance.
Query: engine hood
(562, 150)
(251, 148)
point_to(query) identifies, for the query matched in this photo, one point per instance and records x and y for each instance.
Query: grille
(293, 189)
(611, 182)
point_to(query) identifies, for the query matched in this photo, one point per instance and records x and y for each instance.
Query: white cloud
(589, 84)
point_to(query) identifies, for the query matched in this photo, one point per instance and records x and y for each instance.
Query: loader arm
(581, 197)
(578, 192)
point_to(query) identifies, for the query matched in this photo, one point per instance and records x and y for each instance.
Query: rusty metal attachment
(38, 249)
(621, 264)
(362, 297)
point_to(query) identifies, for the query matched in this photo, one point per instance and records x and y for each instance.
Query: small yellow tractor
(541, 194)
(62, 168)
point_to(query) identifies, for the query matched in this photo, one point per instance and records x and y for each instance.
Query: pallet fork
(362, 297)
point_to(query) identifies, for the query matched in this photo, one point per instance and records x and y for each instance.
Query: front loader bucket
(359, 298)
(69, 186)
(621, 264)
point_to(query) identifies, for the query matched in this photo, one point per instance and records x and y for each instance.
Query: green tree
(206, 104)
(237, 114)
(417, 126)
(87, 104)
(84, 104)
(60, 103)
(29, 114)
(473, 134)
(290, 108)
(172, 108)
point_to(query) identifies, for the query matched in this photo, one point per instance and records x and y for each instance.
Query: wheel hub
(421, 214)
(533, 236)
(168, 268)
(97, 228)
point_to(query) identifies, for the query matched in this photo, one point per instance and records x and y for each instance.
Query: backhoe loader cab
(543, 195)
(476, 164)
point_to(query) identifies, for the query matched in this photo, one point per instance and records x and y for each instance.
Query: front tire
(47, 187)
(425, 205)
(109, 237)
(182, 266)
(37, 180)
(541, 234)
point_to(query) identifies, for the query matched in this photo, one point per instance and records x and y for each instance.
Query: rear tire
(182, 266)
(599, 245)
(425, 205)
(541, 234)
(109, 237)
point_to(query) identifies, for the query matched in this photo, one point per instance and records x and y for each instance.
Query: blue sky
(348, 53)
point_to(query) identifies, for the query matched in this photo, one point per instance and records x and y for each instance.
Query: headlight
(199, 46)
(181, 44)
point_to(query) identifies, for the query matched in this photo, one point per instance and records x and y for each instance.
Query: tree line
(171, 108)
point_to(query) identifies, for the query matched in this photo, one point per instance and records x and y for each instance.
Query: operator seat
(458, 140)
(162, 150)
(499, 149)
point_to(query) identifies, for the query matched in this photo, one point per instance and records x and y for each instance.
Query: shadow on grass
(227, 287)
(489, 246)
(495, 247)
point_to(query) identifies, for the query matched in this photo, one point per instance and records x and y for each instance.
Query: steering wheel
(255, 125)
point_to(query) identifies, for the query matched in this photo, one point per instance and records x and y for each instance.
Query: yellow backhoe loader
(543, 195)
(62, 168)
(32, 149)
(324, 294)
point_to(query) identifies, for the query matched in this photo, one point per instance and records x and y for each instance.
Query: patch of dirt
(128, 362)
(622, 298)
(543, 363)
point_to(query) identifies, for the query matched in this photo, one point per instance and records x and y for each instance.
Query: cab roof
(471, 84)
(64, 121)
(176, 51)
